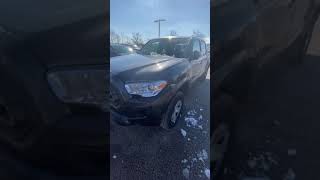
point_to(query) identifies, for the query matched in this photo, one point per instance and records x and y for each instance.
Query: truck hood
(135, 66)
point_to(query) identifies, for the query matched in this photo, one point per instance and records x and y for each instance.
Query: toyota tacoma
(149, 87)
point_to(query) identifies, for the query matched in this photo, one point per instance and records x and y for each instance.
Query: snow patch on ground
(196, 163)
(192, 112)
(183, 132)
(193, 163)
(202, 155)
(191, 121)
(184, 161)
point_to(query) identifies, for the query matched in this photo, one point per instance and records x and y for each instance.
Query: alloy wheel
(176, 112)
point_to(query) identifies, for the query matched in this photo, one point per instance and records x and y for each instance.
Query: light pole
(158, 21)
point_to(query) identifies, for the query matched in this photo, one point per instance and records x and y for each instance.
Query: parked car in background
(249, 35)
(149, 87)
(120, 50)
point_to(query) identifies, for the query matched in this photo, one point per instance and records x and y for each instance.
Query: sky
(182, 16)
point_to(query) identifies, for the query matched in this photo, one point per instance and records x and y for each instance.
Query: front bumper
(142, 110)
(125, 120)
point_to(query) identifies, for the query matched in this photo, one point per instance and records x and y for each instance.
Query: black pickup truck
(249, 38)
(149, 87)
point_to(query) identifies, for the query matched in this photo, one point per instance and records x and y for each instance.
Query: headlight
(146, 89)
(80, 86)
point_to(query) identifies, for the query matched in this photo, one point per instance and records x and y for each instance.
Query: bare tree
(137, 39)
(173, 33)
(114, 37)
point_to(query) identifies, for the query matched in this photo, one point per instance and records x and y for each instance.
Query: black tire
(166, 122)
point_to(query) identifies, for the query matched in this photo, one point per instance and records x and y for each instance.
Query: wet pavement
(148, 152)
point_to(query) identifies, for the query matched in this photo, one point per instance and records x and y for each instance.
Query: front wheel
(173, 112)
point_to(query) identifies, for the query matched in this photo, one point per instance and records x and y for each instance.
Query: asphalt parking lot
(276, 134)
(147, 152)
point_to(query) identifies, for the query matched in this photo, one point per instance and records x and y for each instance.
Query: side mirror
(195, 55)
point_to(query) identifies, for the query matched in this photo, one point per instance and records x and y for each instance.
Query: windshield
(120, 50)
(165, 46)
